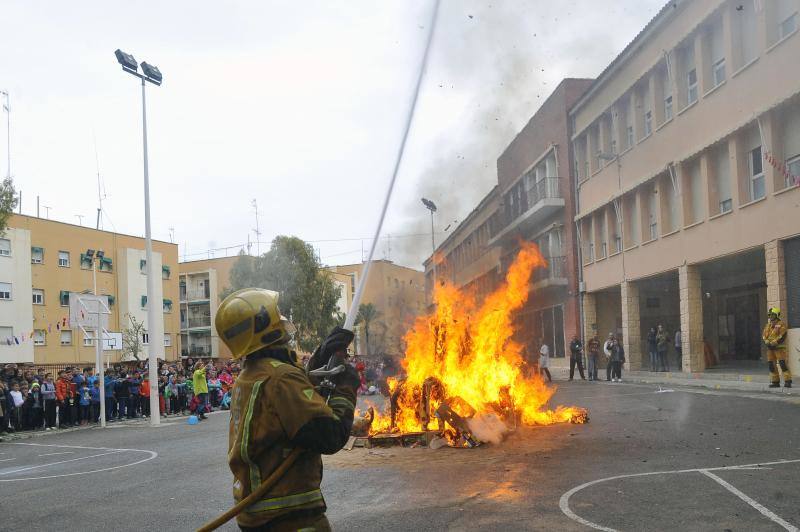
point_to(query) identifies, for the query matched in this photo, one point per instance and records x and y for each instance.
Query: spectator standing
(593, 348)
(48, 388)
(35, 407)
(94, 391)
(85, 403)
(66, 398)
(111, 402)
(144, 395)
(652, 348)
(182, 394)
(16, 406)
(607, 350)
(544, 362)
(576, 357)
(200, 387)
(122, 391)
(3, 407)
(133, 400)
(617, 360)
(679, 348)
(662, 344)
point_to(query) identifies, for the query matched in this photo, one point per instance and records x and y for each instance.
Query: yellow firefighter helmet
(249, 320)
(774, 311)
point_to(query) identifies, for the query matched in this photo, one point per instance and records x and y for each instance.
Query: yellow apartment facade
(398, 294)
(200, 286)
(687, 156)
(44, 264)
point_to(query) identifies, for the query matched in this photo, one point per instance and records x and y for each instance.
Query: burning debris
(464, 371)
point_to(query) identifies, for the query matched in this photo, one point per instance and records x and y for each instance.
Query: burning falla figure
(464, 357)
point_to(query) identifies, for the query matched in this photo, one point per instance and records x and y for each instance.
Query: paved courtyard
(649, 459)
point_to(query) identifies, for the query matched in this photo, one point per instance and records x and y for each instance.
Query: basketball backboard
(88, 311)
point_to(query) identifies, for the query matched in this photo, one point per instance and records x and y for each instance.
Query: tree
(132, 337)
(8, 202)
(308, 295)
(367, 315)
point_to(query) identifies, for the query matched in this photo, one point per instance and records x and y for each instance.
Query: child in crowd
(35, 407)
(48, 388)
(25, 411)
(94, 392)
(144, 395)
(133, 399)
(85, 402)
(15, 406)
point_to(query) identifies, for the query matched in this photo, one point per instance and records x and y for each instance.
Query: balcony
(541, 200)
(196, 351)
(194, 295)
(196, 322)
(554, 274)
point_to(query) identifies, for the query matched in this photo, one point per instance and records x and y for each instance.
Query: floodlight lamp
(431, 206)
(100, 254)
(90, 253)
(152, 73)
(126, 60)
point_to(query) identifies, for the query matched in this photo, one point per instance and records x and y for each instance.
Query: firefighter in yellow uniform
(275, 408)
(774, 337)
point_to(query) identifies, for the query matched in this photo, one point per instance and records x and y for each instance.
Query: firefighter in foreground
(774, 337)
(275, 408)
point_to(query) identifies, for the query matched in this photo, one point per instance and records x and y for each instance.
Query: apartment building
(465, 257)
(686, 159)
(537, 204)
(44, 264)
(398, 294)
(201, 285)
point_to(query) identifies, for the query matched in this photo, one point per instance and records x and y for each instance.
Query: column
(589, 309)
(776, 275)
(631, 328)
(691, 305)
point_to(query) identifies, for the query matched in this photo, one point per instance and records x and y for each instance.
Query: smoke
(487, 428)
(499, 62)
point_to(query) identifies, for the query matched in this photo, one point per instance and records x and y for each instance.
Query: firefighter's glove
(348, 379)
(337, 341)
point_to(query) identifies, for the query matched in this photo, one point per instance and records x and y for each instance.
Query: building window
(167, 340)
(725, 206)
(111, 299)
(5, 291)
(38, 296)
(143, 266)
(63, 298)
(792, 171)
(88, 338)
(648, 123)
(37, 255)
(757, 188)
(39, 337)
(106, 264)
(66, 337)
(144, 301)
(5, 247)
(629, 134)
(691, 87)
(787, 26)
(145, 338)
(668, 108)
(63, 259)
(719, 72)
(167, 305)
(614, 146)
(86, 262)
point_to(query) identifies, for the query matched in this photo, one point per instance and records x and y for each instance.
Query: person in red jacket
(144, 392)
(67, 399)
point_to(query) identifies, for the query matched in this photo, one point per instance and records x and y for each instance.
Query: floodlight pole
(98, 340)
(156, 340)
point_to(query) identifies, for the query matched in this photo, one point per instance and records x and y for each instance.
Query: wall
(17, 313)
(132, 286)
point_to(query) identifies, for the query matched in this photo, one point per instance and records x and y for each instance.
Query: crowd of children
(31, 399)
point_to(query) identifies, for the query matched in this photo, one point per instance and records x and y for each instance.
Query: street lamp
(152, 75)
(95, 257)
(431, 206)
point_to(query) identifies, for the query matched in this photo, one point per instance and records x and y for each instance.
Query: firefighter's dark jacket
(274, 408)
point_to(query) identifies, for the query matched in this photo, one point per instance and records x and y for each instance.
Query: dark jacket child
(35, 407)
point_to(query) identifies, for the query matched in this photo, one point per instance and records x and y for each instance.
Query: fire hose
(334, 366)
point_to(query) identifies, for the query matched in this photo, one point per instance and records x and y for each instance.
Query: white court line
(764, 511)
(61, 462)
(53, 454)
(563, 502)
(151, 456)
(7, 459)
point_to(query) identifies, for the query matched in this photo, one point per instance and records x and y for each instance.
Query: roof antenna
(100, 191)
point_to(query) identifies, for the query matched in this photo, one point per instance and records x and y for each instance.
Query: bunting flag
(50, 328)
(16, 340)
(781, 167)
(58, 325)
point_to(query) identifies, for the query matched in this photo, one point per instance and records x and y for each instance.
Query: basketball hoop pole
(98, 338)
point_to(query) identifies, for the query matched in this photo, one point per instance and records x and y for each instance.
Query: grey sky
(298, 104)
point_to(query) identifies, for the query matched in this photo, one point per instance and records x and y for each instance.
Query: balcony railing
(547, 188)
(196, 351)
(556, 269)
(194, 295)
(199, 321)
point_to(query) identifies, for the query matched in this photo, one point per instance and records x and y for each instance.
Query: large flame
(465, 350)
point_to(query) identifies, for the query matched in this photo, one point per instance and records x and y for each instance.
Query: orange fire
(465, 350)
